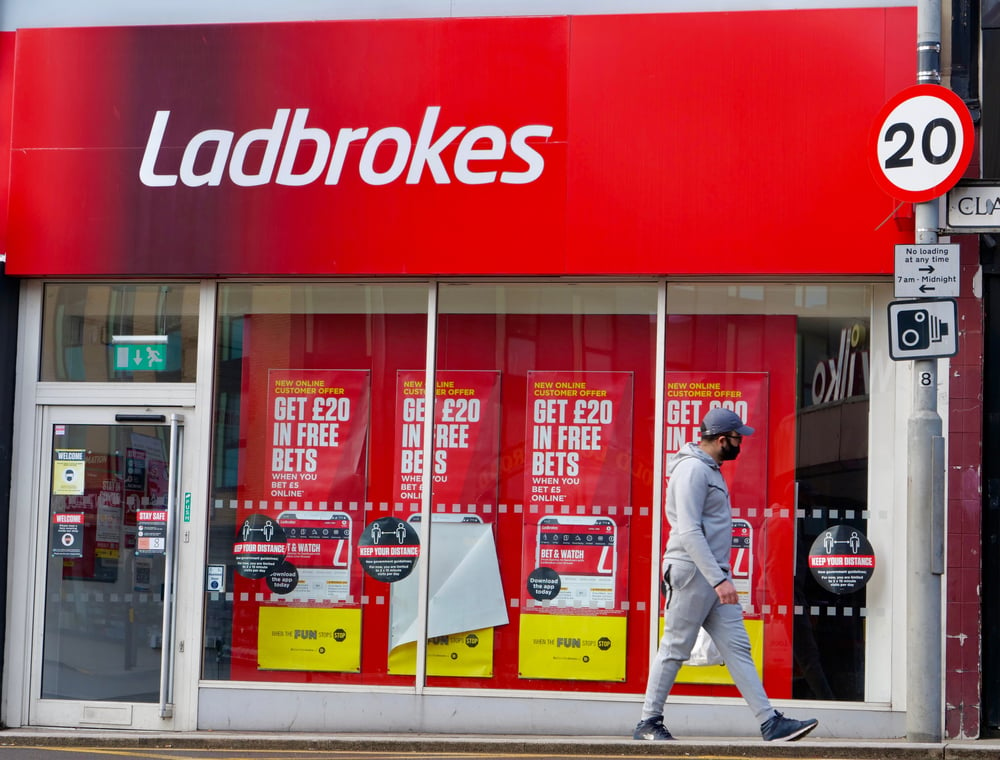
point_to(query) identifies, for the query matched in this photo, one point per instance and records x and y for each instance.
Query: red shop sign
(454, 146)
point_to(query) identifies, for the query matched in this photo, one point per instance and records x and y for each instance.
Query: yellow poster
(719, 674)
(460, 654)
(68, 469)
(572, 647)
(309, 638)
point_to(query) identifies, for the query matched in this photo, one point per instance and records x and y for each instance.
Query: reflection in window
(798, 354)
(832, 490)
(812, 341)
(131, 332)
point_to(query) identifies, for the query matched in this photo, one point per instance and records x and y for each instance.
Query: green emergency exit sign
(135, 357)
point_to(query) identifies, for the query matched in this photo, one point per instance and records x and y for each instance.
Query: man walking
(699, 591)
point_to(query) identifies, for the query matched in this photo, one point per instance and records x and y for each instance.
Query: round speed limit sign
(921, 143)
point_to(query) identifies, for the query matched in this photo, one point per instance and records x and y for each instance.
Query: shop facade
(257, 259)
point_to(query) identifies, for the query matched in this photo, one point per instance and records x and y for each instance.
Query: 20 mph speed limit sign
(921, 141)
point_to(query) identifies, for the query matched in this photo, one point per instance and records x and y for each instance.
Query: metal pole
(923, 581)
(426, 484)
(925, 494)
(658, 469)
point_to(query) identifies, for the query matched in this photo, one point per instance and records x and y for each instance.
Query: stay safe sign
(921, 143)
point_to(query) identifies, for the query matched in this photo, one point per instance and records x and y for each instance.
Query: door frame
(184, 666)
(31, 396)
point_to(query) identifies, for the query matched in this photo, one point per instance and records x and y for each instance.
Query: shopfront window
(544, 523)
(125, 332)
(795, 361)
(543, 438)
(303, 468)
(566, 374)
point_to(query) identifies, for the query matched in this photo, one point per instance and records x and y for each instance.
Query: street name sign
(924, 270)
(973, 206)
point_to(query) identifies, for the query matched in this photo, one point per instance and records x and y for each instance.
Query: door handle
(170, 569)
(139, 418)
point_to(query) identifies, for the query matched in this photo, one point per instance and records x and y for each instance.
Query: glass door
(111, 500)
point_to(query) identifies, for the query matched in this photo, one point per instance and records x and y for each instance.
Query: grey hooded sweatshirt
(700, 517)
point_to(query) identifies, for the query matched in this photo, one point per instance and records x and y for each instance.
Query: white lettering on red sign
(227, 153)
(838, 560)
(152, 515)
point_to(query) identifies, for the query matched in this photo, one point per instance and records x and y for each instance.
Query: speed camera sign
(923, 329)
(921, 143)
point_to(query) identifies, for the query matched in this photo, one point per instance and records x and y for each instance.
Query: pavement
(452, 744)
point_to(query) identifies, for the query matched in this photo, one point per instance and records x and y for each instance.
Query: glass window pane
(129, 332)
(542, 488)
(103, 601)
(794, 362)
(302, 476)
(542, 478)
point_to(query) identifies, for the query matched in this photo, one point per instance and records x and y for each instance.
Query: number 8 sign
(921, 143)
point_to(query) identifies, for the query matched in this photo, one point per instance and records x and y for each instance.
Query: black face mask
(729, 451)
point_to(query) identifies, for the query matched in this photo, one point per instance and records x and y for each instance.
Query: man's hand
(727, 592)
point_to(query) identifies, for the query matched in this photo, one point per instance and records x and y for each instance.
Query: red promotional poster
(317, 428)
(578, 441)
(689, 397)
(578, 456)
(294, 546)
(466, 437)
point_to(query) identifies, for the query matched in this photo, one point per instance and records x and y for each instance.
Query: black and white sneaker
(652, 730)
(782, 729)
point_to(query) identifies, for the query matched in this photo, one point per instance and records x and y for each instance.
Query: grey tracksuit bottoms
(691, 604)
